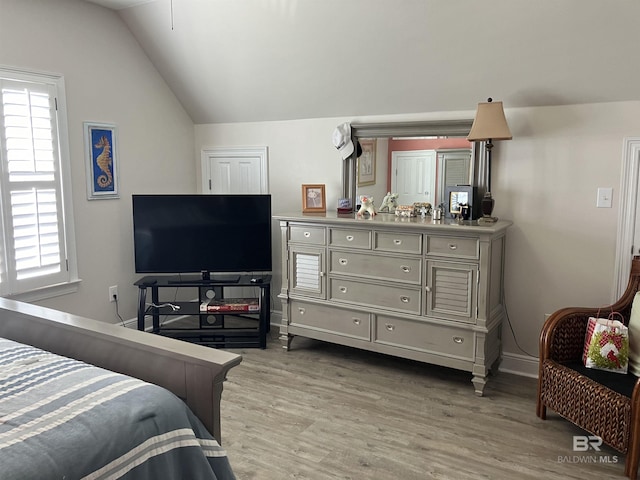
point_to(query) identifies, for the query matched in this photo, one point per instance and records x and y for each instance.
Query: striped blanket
(64, 419)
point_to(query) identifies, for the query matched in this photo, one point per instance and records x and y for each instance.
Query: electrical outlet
(113, 293)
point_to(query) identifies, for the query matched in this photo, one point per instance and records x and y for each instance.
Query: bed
(44, 385)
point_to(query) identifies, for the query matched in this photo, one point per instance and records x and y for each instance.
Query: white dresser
(409, 287)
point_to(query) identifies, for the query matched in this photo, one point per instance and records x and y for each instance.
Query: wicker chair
(602, 403)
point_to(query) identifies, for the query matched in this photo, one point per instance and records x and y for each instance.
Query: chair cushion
(619, 383)
(634, 336)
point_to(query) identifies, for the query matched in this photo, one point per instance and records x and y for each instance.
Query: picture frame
(100, 144)
(367, 163)
(460, 194)
(313, 198)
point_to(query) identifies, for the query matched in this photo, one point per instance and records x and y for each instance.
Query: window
(37, 251)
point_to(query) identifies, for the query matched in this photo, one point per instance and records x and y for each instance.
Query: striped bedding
(63, 419)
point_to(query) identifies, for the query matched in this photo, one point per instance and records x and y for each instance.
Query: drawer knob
(343, 261)
(405, 299)
(301, 310)
(405, 268)
(343, 289)
(307, 234)
(453, 246)
(350, 238)
(356, 321)
(389, 326)
(458, 340)
(397, 242)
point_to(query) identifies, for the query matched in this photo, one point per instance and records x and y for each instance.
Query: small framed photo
(100, 144)
(458, 195)
(367, 163)
(313, 199)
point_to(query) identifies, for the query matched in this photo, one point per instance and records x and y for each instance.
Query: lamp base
(486, 207)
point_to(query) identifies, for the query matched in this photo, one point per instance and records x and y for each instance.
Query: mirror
(425, 158)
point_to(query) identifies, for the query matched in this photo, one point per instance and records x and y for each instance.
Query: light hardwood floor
(323, 411)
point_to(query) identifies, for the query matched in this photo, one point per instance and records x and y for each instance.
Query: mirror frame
(445, 128)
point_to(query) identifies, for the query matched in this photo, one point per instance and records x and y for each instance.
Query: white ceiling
(258, 60)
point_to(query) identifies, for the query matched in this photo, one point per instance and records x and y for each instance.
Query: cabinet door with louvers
(451, 290)
(306, 271)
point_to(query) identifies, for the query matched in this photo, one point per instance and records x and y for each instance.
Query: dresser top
(389, 219)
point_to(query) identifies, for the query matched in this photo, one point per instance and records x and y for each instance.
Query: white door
(234, 170)
(413, 176)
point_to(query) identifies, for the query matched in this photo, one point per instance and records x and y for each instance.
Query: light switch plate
(604, 197)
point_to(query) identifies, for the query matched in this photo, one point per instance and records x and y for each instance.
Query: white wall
(108, 79)
(561, 248)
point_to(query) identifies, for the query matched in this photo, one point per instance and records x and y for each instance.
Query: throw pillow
(634, 336)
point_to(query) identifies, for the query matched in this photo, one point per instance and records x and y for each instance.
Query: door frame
(629, 186)
(209, 153)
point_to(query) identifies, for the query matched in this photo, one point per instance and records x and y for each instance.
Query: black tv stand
(213, 329)
(206, 280)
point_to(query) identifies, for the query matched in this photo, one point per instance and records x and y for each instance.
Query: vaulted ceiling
(258, 60)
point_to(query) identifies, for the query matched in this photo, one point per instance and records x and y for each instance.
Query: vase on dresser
(486, 207)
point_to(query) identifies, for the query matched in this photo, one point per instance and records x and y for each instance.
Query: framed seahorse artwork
(100, 142)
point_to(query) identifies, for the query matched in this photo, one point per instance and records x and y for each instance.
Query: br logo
(584, 443)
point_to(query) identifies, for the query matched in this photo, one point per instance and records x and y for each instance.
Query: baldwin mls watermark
(586, 449)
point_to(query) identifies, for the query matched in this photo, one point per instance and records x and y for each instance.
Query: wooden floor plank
(323, 411)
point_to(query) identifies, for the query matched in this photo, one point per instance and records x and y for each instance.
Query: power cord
(513, 333)
(172, 306)
(115, 300)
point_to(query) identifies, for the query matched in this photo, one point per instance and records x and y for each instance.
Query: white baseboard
(517, 364)
(133, 322)
(275, 320)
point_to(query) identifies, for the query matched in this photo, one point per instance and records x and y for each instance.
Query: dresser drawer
(397, 242)
(353, 238)
(308, 235)
(331, 319)
(376, 266)
(452, 246)
(404, 299)
(426, 337)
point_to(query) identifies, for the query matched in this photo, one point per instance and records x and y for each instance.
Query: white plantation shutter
(34, 247)
(36, 237)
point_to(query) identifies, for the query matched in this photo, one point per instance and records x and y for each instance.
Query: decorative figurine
(389, 202)
(366, 206)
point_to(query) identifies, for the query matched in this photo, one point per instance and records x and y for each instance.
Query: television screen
(202, 233)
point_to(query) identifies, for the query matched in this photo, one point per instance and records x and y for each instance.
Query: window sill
(47, 292)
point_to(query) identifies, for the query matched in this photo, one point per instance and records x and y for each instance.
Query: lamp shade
(490, 123)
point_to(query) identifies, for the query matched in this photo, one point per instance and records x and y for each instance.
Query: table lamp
(490, 124)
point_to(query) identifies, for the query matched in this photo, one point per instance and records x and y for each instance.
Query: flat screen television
(202, 233)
